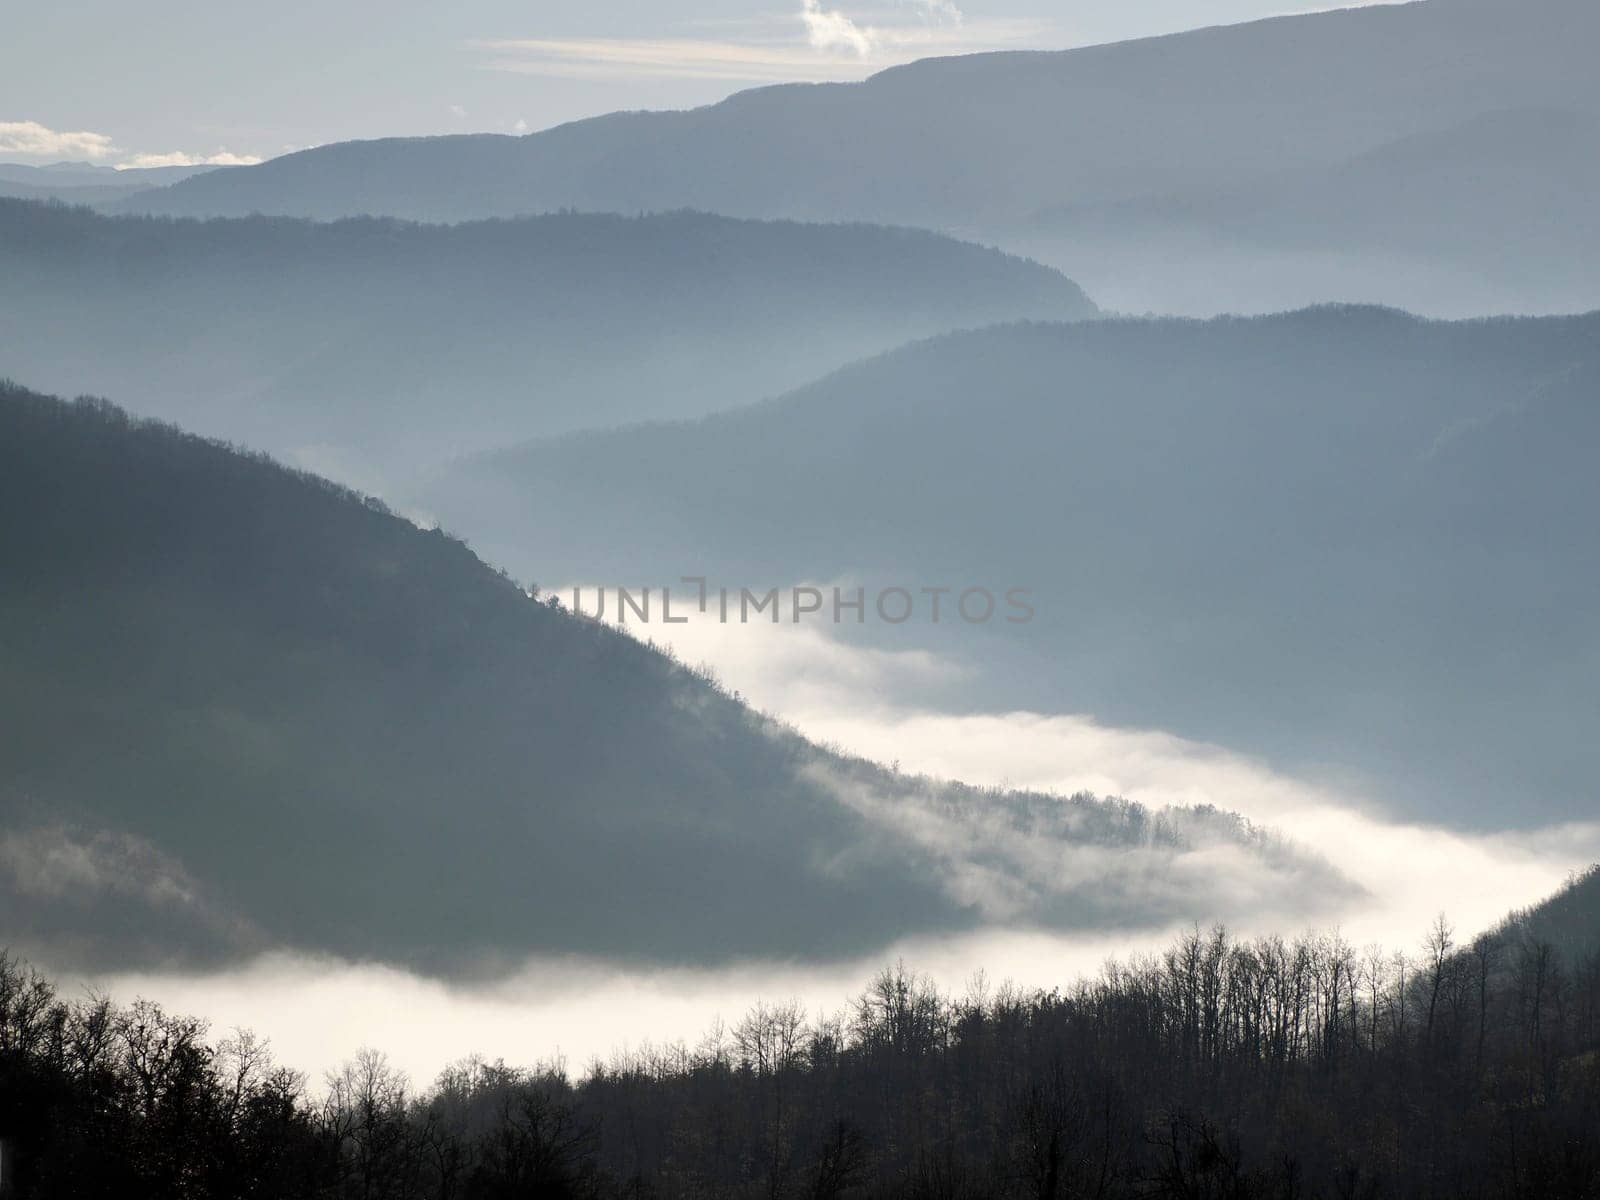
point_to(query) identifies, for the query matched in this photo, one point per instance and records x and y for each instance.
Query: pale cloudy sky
(171, 81)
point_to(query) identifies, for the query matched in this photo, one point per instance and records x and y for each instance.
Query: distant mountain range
(366, 345)
(85, 183)
(1492, 215)
(1348, 540)
(1420, 195)
(1406, 127)
(246, 709)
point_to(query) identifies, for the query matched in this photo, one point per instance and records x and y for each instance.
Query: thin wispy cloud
(821, 42)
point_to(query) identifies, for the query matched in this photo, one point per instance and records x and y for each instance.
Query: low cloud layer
(178, 158)
(98, 895)
(319, 1011)
(30, 141)
(867, 701)
(1075, 862)
(54, 862)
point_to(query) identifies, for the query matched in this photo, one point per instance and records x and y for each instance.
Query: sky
(174, 82)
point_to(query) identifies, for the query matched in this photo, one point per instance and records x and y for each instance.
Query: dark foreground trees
(1221, 1068)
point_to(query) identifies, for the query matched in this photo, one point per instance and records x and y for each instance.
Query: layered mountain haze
(1097, 542)
(85, 183)
(1494, 214)
(1435, 193)
(919, 142)
(369, 346)
(251, 711)
(1349, 541)
(1212, 138)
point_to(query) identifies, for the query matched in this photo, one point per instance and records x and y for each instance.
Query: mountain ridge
(1203, 117)
(319, 728)
(1292, 56)
(391, 343)
(1205, 511)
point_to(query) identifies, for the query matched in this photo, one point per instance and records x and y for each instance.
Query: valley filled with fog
(870, 702)
(941, 602)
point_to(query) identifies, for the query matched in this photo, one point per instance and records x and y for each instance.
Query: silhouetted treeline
(1219, 1068)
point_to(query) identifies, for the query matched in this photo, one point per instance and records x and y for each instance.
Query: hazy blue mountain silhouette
(384, 342)
(1343, 538)
(1493, 214)
(85, 183)
(73, 173)
(987, 142)
(245, 708)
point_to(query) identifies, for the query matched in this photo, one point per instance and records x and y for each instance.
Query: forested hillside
(246, 709)
(1568, 923)
(1221, 1068)
(1343, 538)
(379, 344)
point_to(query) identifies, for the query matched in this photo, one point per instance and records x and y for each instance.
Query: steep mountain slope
(382, 343)
(246, 709)
(1568, 923)
(985, 143)
(1344, 538)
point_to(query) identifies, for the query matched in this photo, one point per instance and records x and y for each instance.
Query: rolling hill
(85, 183)
(247, 710)
(369, 345)
(1568, 922)
(1349, 540)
